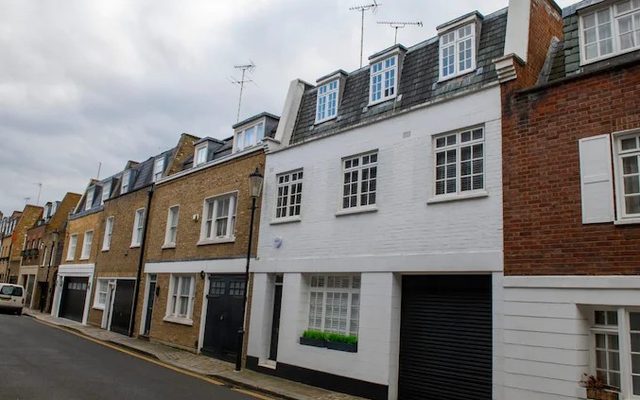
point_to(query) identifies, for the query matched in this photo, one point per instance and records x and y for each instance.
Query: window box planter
(313, 342)
(340, 346)
(601, 394)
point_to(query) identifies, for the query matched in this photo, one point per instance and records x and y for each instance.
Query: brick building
(28, 218)
(197, 243)
(571, 154)
(7, 226)
(122, 238)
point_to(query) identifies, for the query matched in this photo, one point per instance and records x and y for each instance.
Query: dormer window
(250, 136)
(158, 168)
(327, 104)
(126, 178)
(457, 51)
(610, 31)
(106, 191)
(383, 81)
(89, 200)
(201, 155)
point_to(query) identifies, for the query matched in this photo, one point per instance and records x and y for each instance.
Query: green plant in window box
(337, 341)
(597, 389)
(314, 338)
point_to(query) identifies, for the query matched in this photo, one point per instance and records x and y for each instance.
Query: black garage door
(445, 338)
(122, 305)
(74, 294)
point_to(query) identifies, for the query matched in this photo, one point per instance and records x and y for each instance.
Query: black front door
(122, 305)
(275, 321)
(74, 294)
(446, 338)
(224, 316)
(44, 289)
(150, 298)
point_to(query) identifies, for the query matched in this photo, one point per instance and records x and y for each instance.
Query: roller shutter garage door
(446, 338)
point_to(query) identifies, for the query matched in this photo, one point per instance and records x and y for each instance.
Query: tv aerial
(362, 8)
(245, 68)
(399, 25)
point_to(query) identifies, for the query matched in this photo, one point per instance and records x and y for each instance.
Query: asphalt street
(41, 362)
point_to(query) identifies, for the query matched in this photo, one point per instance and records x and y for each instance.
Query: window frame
(359, 207)
(381, 73)
(85, 254)
(202, 148)
(230, 230)
(324, 290)
(456, 58)
(326, 96)
(108, 233)
(174, 299)
(615, 32)
(96, 299)
(126, 181)
(88, 201)
(458, 145)
(241, 133)
(138, 227)
(106, 191)
(289, 185)
(621, 213)
(169, 225)
(158, 172)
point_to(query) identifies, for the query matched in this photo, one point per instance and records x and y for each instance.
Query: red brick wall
(543, 230)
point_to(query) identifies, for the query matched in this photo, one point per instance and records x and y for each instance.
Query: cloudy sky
(89, 81)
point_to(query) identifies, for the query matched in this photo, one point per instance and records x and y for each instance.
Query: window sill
(178, 320)
(456, 75)
(82, 259)
(455, 197)
(287, 220)
(134, 246)
(205, 242)
(105, 250)
(356, 210)
(168, 246)
(627, 221)
(98, 307)
(375, 103)
(322, 121)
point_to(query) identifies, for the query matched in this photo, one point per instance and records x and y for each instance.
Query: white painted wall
(546, 331)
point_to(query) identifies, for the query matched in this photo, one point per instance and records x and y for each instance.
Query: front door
(151, 295)
(74, 294)
(275, 321)
(224, 316)
(122, 306)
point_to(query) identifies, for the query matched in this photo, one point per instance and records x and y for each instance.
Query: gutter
(143, 243)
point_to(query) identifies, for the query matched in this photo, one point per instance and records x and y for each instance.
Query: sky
(89, 83)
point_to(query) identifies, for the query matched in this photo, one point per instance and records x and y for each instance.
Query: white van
(11, 298)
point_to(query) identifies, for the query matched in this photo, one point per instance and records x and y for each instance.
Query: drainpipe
(140, 261)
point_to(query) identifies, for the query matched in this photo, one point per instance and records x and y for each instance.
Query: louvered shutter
(596, 180)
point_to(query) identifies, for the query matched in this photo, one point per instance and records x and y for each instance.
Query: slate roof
(418, 83)
(565, 57)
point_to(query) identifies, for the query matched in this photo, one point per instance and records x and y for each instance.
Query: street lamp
(255, 188)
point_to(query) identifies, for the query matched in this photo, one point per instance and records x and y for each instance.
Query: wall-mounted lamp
(195, 217)
(202, 274)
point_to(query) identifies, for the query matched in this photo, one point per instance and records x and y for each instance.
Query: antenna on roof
(99, 167)
(399, 25)
(26, 200)
(362, 8)
(244, 68)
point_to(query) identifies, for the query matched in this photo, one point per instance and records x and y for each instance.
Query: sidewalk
(199, 364)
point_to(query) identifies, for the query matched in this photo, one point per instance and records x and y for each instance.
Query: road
(42, 362)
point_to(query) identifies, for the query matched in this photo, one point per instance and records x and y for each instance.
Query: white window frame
(203, 149)
(88, 201)
(138, 227)
(108, 233)
(623, 330)
(381, 73)
(286, 182)
(172, 224)
(359, 169)
(44, 256)
(457, 41)
(615, 32)
(240, 142)
(621, 214)
(317, 289)
(209, 216)
(86, 245)
(126, 181)
(327, 92)
(106, 191)
(458, 146)
(97, 304)
(175, 297)
(158, 168)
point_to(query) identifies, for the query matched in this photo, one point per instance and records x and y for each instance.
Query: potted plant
(597, 389)
(313, 338)
(336, 341)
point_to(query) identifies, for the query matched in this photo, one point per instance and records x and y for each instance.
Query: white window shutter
(596, 179)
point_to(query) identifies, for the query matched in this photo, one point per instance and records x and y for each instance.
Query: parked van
(11, 298)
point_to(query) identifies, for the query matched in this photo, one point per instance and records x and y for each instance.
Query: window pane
(612, 318)
(635, 321)
(599, 318)
(632, 204)
(636, 384)
(630, 165)
(635, 342)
